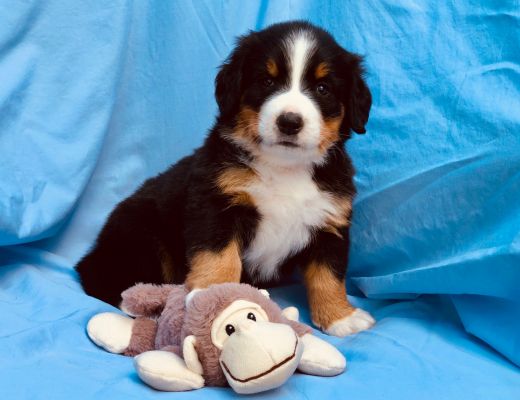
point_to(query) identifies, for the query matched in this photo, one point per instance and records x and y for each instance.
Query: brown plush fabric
(173, 349)
(144, 332)
(171, 320)
(145, 300)
(178, 321)
(299, 328)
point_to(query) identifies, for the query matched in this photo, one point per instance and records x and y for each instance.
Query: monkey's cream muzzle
(256, 355)
(263, 356)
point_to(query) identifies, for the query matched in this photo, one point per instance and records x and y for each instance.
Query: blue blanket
(97, 96)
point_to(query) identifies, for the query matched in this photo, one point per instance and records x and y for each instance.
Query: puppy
(271, 188)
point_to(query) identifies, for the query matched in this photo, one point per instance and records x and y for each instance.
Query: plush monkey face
(246, 340)
(255, 354)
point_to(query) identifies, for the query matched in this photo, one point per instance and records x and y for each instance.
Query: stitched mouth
(273, 368)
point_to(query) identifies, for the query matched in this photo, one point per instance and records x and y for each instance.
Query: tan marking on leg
(233, 181)
(321, 70)
(272, 68)
(209, 267)
(330, 132)
(327, 295)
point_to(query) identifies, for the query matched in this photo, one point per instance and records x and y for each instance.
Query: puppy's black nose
(290, 123)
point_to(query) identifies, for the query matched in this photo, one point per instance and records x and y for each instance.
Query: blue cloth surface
(97, 96)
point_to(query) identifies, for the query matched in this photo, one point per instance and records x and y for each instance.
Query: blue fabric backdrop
(97, 96)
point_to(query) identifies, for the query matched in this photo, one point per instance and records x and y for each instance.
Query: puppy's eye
(268, 82)
(230, 329)
(251, 316)
(322, 89)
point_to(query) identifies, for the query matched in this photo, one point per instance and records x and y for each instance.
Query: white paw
(111, 331)
(320, 358)
(358, 321)
(166, 371)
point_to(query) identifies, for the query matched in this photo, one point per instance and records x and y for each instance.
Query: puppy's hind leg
(127, 252)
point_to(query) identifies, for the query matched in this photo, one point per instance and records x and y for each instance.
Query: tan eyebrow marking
(272, 68)
(321, 70)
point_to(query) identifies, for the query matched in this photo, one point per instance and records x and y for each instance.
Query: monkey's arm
(166, 371)
(319, 357)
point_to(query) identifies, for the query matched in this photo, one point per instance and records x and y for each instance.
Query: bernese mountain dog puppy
(271, 187)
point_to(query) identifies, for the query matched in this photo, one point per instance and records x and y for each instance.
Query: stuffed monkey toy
(228, 334)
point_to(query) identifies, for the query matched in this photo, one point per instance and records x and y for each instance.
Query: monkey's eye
(230, 329)
(251, 316)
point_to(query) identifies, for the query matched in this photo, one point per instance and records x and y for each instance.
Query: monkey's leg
(111, 331)
(144, 331)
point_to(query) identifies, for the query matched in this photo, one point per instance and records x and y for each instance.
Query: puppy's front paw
(358, 321)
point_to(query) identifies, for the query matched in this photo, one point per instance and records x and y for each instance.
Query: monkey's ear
(189, 353)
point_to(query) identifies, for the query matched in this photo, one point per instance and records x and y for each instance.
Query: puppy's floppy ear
(228, 83)
(357, 98)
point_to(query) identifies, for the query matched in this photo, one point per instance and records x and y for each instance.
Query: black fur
(181, 211)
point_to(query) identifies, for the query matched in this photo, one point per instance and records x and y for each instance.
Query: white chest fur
(291, 205)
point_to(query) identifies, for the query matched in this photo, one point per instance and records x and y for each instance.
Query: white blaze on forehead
(299, 47)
